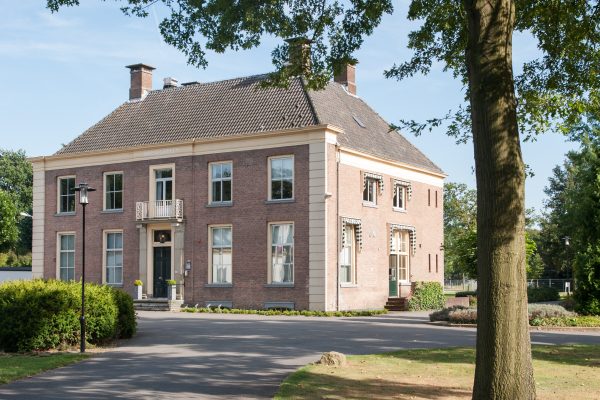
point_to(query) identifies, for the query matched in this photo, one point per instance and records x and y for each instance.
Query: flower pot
(137, 292)
(172, 291)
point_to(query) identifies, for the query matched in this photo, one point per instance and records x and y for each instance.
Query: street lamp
(567, 240)
(26, 215)
(83, 190)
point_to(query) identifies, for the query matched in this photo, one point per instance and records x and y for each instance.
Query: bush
(464, 316)
(535, 295)
(567, 321)
(287, 312)
(444, 313)
(547, 311)
(427, 296)
(568, 303)
(138, 283)
(41, 314)
(126, 322)
(466, 293)
(472, 300)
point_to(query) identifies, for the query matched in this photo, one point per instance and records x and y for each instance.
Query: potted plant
(172, 290)
(137, 290)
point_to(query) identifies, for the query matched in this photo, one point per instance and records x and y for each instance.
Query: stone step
(157, 304)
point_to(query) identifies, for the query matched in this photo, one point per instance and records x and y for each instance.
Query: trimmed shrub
(567, 321)
(535, 295)
(444, 313)
(41, 314)
(466, 293)
(287, 312)
(468, 315)
(568, 303)
(427, 296)
(465, 316)
(138, 283)
(548, 311)
(126, 322)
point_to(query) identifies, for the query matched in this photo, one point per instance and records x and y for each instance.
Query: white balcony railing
(158, 209)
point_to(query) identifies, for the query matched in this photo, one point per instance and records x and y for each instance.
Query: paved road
(205, 356)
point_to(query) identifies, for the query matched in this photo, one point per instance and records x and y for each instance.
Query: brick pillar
(347, 78)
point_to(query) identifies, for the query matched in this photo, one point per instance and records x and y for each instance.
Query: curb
(531, 328)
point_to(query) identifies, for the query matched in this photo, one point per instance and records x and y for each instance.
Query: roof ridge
(207, 83)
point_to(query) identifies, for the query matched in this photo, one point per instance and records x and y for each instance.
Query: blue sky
(64, 72)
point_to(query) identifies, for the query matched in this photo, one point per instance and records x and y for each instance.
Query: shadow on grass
(583, 356)
(306, 384)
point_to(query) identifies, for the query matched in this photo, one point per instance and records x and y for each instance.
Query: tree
(16, 180)
(460, 213)
(8, 223)
(473, 39)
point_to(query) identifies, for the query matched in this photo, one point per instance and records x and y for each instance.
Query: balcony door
(164, 193)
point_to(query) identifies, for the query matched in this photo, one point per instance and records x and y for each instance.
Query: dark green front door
(162, 270)
(393, 277)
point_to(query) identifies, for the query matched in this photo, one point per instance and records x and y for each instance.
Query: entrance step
(157, 304)
(397, 304)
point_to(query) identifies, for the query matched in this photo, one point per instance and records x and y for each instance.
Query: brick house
(246, 198)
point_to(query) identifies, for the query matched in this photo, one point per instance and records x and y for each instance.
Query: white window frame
(211, 180)
(60, 251)
(270, 178)
(59, 195)
(370, 182)
(211, 246)
(399, 191)
(152, 179)
(105, 251)
(350, 244)
(107, 191)
(402, 253)
(270, 226)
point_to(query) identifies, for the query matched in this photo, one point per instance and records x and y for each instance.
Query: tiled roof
(236, 107)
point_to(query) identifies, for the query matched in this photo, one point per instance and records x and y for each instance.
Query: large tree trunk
(504, 369)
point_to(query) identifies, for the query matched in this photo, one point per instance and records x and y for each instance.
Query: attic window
(358, 121)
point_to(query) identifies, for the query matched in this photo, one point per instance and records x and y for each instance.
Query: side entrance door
(393, 276)
(162, 270)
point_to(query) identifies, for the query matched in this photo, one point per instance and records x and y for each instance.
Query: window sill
(348, 285)
(368, 204)
(114, 284)
(280, 284)
(224, 204)
(65, 214)
(116, 211)
(405, 283)
(218, 285)
(280, 201)
(402, 210)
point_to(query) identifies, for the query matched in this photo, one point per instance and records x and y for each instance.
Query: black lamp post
(567, 244)
(83, 190)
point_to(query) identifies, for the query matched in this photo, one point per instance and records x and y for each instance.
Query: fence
(560, 284)
(460, 284)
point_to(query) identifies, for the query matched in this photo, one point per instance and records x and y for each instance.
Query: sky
(64, 72)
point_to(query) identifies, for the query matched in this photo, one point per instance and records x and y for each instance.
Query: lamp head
(83, 190)
(567, 240)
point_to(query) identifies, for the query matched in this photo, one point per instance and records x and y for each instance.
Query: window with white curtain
(369, 194)
(114, 258)
(66, 266)
(399, 199)
(221, 254)
(282, 253)
(348, 256)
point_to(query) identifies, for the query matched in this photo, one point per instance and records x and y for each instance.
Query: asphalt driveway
(205, 356)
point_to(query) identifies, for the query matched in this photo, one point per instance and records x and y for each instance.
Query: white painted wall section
(317, 234)
(39, 205)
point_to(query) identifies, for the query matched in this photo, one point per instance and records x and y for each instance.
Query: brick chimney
(347, 78)
(141, 80)
(300, 49)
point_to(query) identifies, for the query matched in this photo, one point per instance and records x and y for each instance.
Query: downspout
(339, 154)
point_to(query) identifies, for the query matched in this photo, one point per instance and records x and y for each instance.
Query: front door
(393, 277)
(162, 270)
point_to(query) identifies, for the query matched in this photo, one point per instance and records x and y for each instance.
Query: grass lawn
(561, 372)
(17, 366)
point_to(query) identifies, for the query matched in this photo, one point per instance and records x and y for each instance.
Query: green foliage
(126, 322)
(466, 293)
(11, 259)
(427, 296)
(536, 295)
(138, 283)
(8, 222)
(287, 312)
(460, 216)
(41, 314)
(567, 321)
(468, 315)
(171, 282)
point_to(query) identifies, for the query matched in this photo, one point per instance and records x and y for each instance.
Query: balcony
(158, 209)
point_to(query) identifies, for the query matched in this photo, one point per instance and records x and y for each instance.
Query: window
(436, 263)
(370, 191)
(114, 258)
(436, 199)
(348, 256)
(221, 183)
(282, 253)
(66, 266)
(221, 254)
(428, 197)
(429, 263)
(399, 199)
(400, 254)
(66, 199)
(113, 187)
(282, 178)
(164, 184)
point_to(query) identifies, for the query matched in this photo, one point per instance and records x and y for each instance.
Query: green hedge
(427, 296)
(289, 313)
(44, 314)
(466, 293)
(567, 321)
(535, 295)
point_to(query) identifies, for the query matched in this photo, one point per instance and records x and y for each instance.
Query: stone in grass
(333, 358)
